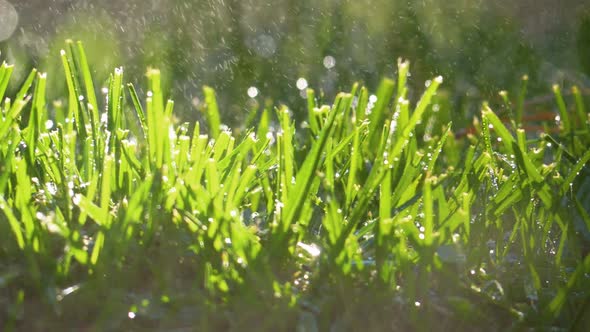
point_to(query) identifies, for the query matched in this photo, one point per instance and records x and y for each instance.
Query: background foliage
(480, 47)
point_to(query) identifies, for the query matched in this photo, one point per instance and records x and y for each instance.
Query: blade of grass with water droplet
(574, 172)
(403, 67)
(379, 112)
(361, 107)
(138, 109)
(5, 73)
(287, 154)
(415, 117)
(355, 160)
(439, 146)
(26, 86)
(305, 175)
(115, 109)
(12, 111)
(564, 116)
(499, 127)
(428, 210)
(523, 159)
(73, 110)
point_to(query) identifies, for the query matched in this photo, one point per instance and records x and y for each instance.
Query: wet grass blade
(380, 111)
(305, 175)
(520, 102)
(5, 73)
(212, 110)
(563, 113)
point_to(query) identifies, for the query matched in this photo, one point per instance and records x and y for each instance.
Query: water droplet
(252, 92)
(9, 19)
(329, 62)
(52, 188)
(311, 249)
(301, 83)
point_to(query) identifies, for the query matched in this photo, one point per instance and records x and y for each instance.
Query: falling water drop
(301, 83)
(252, 92)
(8, 20)
(329, 62)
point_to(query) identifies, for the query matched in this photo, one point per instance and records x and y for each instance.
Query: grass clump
(370, 214)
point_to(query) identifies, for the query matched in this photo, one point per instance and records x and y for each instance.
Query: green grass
(114, 216)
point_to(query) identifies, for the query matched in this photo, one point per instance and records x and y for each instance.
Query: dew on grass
(48, 124)
(241, 262)
(51, 188)
(311, 249)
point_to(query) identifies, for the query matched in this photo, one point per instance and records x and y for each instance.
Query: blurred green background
(479, 46)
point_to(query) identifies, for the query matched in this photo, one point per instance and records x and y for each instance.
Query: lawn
(369, 212)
